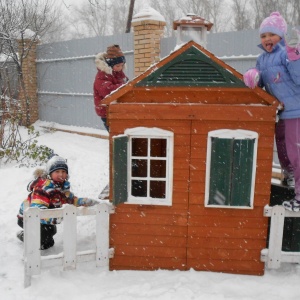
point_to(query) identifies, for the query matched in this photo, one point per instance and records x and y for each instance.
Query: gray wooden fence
(66, 71)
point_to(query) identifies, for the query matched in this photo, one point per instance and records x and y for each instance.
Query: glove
(89, 202)
(56, 221)
(292, 45)
(251, 78)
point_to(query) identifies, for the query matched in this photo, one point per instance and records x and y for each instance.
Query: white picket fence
(33, 261)
(274, 256)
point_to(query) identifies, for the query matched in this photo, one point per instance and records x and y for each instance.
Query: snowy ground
(88, 163)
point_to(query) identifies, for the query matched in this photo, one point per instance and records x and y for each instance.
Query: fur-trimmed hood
(102, 65)
(39, 172)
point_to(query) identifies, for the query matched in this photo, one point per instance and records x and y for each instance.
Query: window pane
(139, 168)
(158, 148)
(139, 147)
(158, 168)
(139, 188)
(157, 189)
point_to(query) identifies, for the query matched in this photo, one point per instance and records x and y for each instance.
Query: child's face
(59, 175)
(118, 67)
(269, 40)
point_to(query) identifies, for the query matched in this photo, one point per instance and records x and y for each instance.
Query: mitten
(292, 45)
(251, 78)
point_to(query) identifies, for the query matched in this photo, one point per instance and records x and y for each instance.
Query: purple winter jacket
(281, 78)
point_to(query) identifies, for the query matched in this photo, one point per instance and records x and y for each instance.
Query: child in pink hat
(275, 24)
(278, 71)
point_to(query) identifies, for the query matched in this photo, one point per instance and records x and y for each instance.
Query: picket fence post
(102, 235)
(276, 235)
(69, 237)
(32, 241)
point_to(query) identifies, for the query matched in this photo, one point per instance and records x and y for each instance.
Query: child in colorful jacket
(110, 76)
(278, 71)
(50, 189)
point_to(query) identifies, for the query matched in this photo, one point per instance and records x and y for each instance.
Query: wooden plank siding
(229, 266)
(173, 111)
(148, 237)
(236, 225)
(207, 95)
(188, 235)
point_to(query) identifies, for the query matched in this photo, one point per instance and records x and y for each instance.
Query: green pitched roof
(192, 68)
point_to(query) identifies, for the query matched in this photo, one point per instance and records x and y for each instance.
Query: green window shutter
(242, 172)
(220, 171)
(231, 171)
(120, 170)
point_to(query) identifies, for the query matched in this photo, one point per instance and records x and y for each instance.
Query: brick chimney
(29, 101)
(148, 26)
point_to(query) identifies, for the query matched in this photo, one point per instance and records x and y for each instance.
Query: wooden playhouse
(191, 161)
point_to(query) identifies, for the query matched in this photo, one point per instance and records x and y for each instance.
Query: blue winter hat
(56, 163)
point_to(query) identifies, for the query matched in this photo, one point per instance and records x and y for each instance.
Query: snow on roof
(192, 19)
(148, 13)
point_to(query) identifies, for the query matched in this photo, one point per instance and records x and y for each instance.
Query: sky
(88, 168)
(78, 2)
(138, 5)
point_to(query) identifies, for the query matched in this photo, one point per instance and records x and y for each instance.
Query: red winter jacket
(106, 81)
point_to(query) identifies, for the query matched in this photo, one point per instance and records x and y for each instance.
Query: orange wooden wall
(187, 234)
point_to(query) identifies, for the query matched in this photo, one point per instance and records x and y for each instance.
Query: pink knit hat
(275, 23)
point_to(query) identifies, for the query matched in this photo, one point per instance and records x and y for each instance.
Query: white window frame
(152, 133)
(231, 133)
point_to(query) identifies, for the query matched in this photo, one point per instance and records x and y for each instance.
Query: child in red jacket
(50, 189)
(110, 76)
